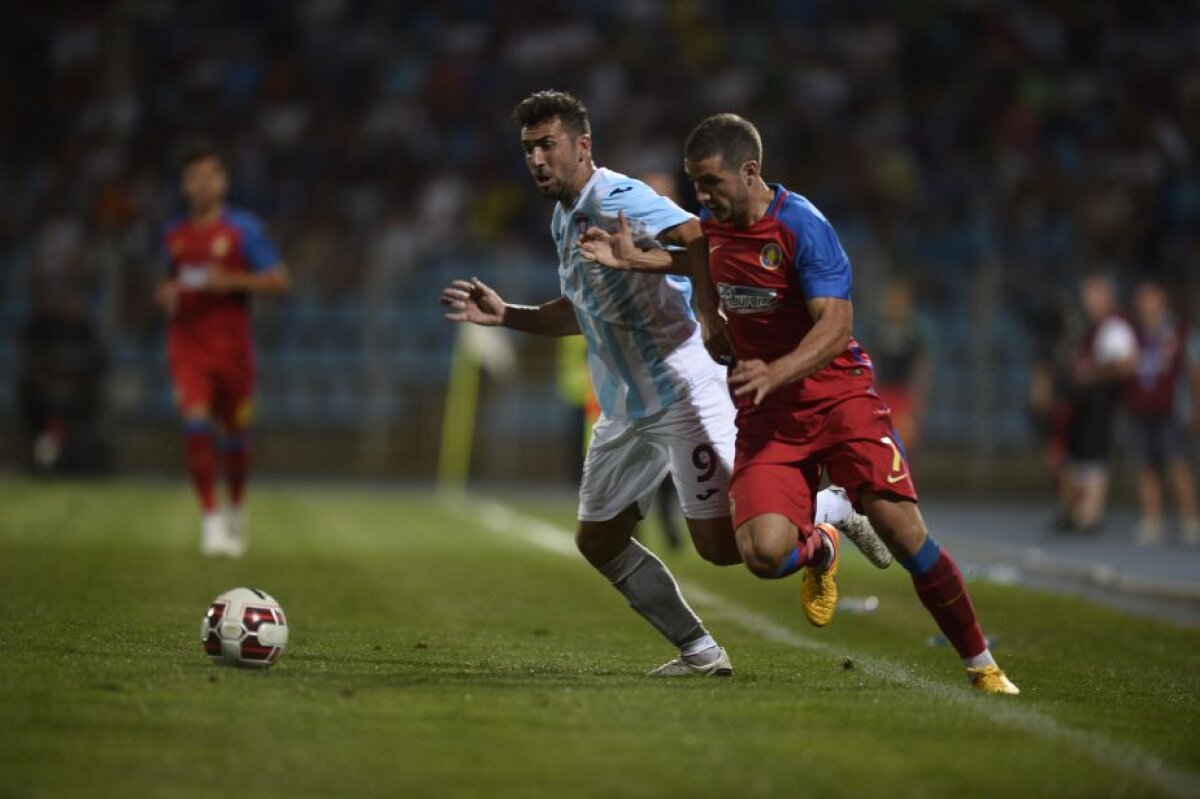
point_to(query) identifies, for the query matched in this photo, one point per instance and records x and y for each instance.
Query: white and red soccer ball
(244, 627)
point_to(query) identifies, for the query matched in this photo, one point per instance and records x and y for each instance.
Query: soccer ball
(244, 627)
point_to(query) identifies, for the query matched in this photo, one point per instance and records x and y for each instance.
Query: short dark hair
(546, 105)
(195, 150)
(730, 136)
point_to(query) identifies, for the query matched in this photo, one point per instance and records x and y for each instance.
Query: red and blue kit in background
(209, 346)
(765, 274)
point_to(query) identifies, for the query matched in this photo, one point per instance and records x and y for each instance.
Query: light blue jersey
(645, 350)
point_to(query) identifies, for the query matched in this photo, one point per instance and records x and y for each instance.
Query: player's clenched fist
(473, 301)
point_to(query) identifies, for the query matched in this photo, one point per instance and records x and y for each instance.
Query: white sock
(652, 591)
(984, 658)
(701, 645)
(832, 507)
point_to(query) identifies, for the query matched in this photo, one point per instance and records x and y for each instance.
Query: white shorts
(692, 440)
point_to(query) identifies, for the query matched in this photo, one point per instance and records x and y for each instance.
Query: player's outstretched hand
(473, 301)
(753, 378)
(614, 250)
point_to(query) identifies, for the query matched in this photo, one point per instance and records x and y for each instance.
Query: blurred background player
(902, 351)
(1157, 435)
(1104, 359)
(218, 257)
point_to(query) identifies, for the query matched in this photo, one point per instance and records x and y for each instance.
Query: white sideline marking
(1004, 711)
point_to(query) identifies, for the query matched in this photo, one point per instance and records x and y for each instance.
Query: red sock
(201, 462)
(237, 467)
(944, 594)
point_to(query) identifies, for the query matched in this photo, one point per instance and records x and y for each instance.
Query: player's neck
(571, 195)
(761, 197)
(206, 216)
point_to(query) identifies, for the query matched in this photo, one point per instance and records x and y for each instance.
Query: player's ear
(750, 172)
(584, 146)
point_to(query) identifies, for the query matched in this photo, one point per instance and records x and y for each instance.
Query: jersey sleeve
(649, 213)
(821, 262)
(257, 247)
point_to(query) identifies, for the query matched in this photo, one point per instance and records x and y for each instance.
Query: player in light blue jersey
(664, 401)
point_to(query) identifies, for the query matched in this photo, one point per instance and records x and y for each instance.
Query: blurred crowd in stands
(988, 152)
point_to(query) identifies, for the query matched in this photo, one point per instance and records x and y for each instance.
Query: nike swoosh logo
(714, 248)
(896, 478)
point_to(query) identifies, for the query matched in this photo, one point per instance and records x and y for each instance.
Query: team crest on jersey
(771, 256)
(220, 246)
(748, 299)
(582, 222)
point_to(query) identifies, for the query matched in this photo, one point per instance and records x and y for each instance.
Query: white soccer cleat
(235, 532)
(858, 529)
(686, 667)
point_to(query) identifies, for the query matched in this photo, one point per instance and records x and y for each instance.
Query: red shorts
(853, 441)
(225, 388)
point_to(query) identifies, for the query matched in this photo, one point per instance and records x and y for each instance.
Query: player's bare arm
(276, 280)
(833, 321)
(476, 302)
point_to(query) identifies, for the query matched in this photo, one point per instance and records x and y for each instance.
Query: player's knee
(599, 544)
(587, 542)
(761, 559)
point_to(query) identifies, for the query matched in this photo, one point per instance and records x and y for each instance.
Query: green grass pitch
(441, 650)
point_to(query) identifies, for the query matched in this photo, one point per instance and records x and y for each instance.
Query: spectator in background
(1104, 360)
(1157, 435)
(901, 349)
(1049, 401)
(575, 389)
(61, 384)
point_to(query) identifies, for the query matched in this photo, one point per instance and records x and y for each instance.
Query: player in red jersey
(803, 389)
(218, 256)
